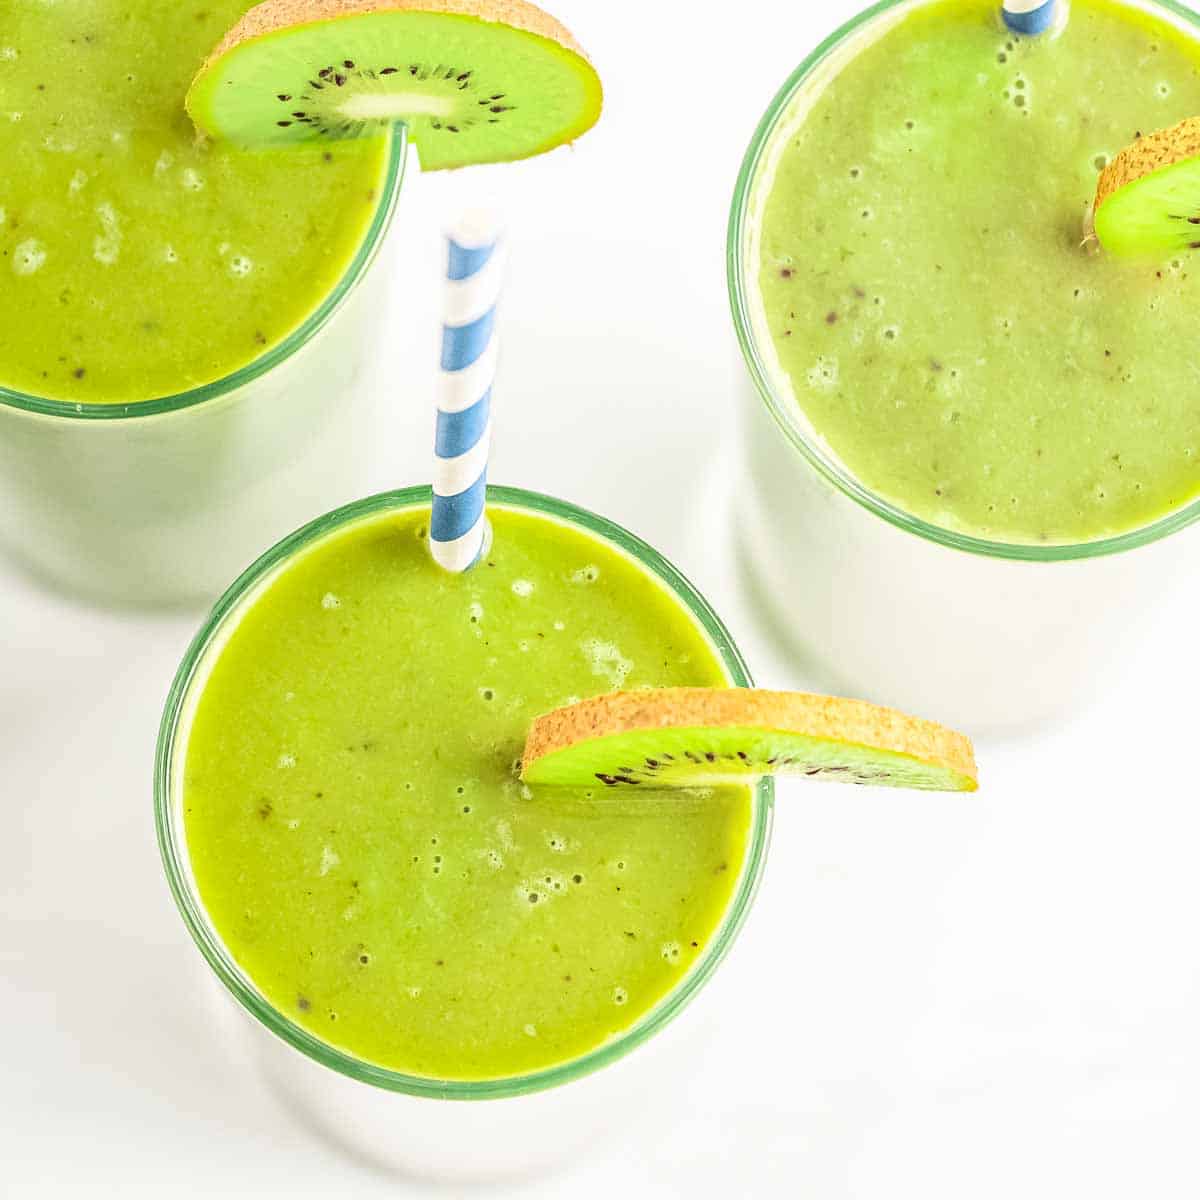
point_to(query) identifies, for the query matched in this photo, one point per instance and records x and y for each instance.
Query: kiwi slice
(699, 737)
(474, 80)
(1148, 197)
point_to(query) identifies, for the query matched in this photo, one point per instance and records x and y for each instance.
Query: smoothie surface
(136, 261)
(360, 839)
(928, 295)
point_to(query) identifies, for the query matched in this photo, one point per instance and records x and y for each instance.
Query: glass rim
(272, 357)
(786, 410)
(172, 842)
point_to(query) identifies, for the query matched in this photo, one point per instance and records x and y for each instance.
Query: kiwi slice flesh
(473, 80)
(701, 737)
(1148, 197)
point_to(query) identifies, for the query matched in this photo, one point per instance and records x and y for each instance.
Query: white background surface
(934, 997)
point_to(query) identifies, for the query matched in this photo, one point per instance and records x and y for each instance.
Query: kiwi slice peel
(703, 737)
(1148, 197)
(473, 80)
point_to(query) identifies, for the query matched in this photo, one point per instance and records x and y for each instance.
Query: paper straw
(458, 530)
(1029, 16)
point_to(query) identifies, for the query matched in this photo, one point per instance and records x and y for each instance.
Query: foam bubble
(119, 138)
(475, 612)
(163, 163)
(559, 626)
(191, 180)
(106, 246)
(522, 587)
(588, 574)
(14, 117)
(1162, 89)
(330, 601)
(28, 256)
(414, 992)
(240, 266)
(170, 254)
(286, 762)
(57, 145)
(494, 859)
(329, 859)
(670, 952)
(620, 996)
(531, 1031)
(890, 333)
(293, 824)
(823, 374)
(557, 843)
(523, 646)
(77, 183)
(606, 660)
(8, 54)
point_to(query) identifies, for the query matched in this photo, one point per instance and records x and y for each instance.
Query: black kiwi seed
(344, 75)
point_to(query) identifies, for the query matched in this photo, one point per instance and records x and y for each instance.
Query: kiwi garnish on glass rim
(701, 737)
(473, 80)
(1148, 197)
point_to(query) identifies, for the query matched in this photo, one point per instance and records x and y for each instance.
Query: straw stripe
(454, 517)
(461, 389)
(1029, 16)
(458, 526)
(467, 300)
(466, 260)
(449, 471)
(463, 344)
(457, 432)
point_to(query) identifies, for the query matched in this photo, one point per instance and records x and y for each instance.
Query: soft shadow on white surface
(985, 996)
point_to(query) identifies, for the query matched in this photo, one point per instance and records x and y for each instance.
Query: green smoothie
(357, 831)
(928, 294)
(135, 260)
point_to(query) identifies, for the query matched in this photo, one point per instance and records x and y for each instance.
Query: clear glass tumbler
(876, 602)
(401, 1121)
(161, 502)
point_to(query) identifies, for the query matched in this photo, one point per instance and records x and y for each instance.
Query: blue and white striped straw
(458, 529)
(1029, 16)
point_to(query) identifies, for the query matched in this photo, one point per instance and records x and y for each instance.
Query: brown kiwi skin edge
(273, 15)
(1162, 148)
(851, 721)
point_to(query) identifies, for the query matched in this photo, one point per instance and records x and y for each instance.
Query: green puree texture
(928, 295)
(359, 836)
(135, 262)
